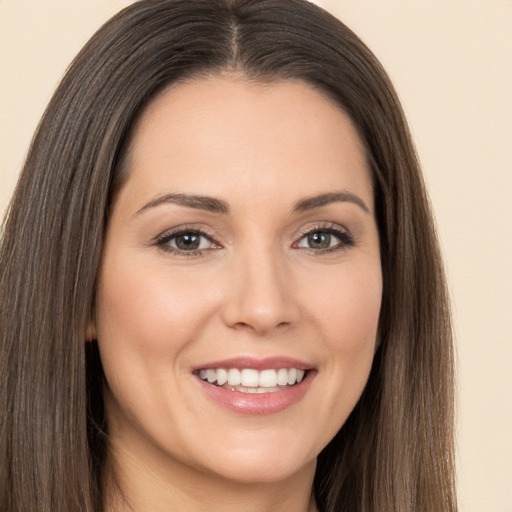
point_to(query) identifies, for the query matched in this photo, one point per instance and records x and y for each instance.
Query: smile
(250, 380)
(255, 386)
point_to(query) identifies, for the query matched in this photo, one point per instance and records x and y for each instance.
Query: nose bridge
(260, 295)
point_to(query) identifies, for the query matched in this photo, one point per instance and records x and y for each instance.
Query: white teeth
(292, 376)
(267, 390)
(249, 380)
(282, 377)
(268, 379)
(243, 389)
(222, 376)
(249, 377)
(234, 377)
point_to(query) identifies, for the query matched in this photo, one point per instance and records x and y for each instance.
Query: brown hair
(395, 452)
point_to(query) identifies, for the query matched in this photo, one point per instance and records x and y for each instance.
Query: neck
(136, 484)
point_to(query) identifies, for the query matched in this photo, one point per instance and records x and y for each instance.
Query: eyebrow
(331, 197)
(213, 205)
(209, 204)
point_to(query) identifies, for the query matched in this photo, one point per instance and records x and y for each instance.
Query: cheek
(348, 309)
(146, 317)
(344, 306)
(148, 308)
(349, 313)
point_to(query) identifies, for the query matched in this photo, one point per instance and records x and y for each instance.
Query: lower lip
(258, 403)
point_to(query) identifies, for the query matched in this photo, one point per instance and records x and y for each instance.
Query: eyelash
(345, 238)
(163, 241)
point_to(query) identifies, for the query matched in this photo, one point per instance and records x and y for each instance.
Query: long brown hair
(395, 452)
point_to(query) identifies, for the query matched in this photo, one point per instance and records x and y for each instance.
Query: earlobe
(90, 334)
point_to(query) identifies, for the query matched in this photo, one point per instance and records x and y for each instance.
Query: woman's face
(242, 246)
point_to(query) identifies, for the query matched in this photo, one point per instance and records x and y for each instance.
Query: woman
(220, 281)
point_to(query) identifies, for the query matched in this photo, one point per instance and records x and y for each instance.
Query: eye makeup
(188, 241)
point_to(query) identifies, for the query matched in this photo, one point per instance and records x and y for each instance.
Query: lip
(257, 404)
(256, 363)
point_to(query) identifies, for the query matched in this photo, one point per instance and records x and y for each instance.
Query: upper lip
(255, 363)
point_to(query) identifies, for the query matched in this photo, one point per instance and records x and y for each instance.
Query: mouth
(256, 386)
(251, 380)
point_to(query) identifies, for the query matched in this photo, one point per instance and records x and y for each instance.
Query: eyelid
(342, 233)
(162, 240)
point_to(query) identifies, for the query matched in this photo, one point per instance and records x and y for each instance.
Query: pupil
(319, 240)
(187, 242)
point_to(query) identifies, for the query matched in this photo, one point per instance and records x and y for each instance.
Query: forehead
(208, 134)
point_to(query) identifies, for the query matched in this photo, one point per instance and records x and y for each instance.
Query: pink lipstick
(255, 386)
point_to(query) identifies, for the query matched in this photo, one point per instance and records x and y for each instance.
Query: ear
(90, 333)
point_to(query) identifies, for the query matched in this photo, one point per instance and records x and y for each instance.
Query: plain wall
(451, 64)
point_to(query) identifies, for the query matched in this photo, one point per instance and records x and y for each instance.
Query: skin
(257, 289)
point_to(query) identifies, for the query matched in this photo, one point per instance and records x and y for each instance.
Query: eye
(325, 239)
(188, 242)
(318, 240)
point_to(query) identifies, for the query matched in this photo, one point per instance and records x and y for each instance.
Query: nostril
(260, 303)
(259, 327)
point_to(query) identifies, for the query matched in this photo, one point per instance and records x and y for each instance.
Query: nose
(260, 296)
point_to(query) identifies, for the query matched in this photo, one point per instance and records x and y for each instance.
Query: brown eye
(319, 240)
(188, 241)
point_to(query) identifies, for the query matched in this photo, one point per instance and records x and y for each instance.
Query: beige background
(451, 62)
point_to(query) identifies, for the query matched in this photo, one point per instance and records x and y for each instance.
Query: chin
(269, 465)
